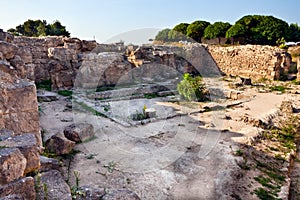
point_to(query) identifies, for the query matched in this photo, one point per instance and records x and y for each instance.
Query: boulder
(8, 50)
(19, 189)
(27, 144)
(12, 165)
(51, 185)
(59, 145)
(48, 164)
(123, 194)
(79, 132)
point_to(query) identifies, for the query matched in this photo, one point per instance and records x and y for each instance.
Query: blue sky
(112, 20)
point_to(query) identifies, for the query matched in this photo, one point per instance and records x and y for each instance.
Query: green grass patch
(150, 96)
(278, 88)
(263, 194)
(44, 85)
(266, 182)
(66, 93)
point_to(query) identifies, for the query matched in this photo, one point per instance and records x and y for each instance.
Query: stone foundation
(253, 61)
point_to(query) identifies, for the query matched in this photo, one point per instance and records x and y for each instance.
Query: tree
(294, 33)
(57, 29)
(35, 28)
(163, 35)
(176, 36)
(259, 29)
(216, 30)
(181, 28)
(196, 30)
(236, 31)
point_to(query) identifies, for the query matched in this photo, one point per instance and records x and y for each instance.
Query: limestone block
(12, 165)
(79, 132)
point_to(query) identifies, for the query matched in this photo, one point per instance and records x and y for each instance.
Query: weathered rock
(59, 145)
(48, 164)
(6, 133)
(19, 189)
(91, 193)
(123, 194)
(287, 107)
(27, 144)
(8, 50)
(18, 106)
(79, 132)
(12, 165)
(51, 185)
(46, 96)
(150, 113)
(6, 36)
(88, 45)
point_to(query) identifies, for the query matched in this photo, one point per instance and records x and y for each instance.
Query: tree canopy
(36, 28)
(182, 27)
(215, 30)
(196, 30)
(259, 29)
(163, 35)
(253, 29)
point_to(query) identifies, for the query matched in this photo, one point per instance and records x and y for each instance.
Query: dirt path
(182, 157)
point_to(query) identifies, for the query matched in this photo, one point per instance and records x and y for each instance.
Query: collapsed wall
(253, 61)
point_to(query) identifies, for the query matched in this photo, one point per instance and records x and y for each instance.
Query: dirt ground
(184, 153)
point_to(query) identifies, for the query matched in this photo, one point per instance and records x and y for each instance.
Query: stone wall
(18, 101)
(52, 58)
(20, 138)
(252, 61)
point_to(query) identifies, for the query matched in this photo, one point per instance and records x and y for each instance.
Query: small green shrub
(192, 88)
(44, 85)
(239, 152)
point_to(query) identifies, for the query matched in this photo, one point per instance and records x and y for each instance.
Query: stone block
(59, 145)
(79, 132)
(12, 165)
(19, 189)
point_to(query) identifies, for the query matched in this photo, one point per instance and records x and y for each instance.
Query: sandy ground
(186, 156)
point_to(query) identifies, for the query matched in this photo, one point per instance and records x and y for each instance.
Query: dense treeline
(254, 29)
(36, 28)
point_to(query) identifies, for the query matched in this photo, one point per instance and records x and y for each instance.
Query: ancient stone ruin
(80, 65)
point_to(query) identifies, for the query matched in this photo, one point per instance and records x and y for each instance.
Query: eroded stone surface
(27, 144)
(79, 132)
(51, 185)
(20, 189)
(12, 165)
(59, 145)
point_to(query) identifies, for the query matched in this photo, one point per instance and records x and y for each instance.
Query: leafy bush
(192, 88)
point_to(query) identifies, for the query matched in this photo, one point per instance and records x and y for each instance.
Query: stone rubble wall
(20, 138)
(253, 61)
(52, 58)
